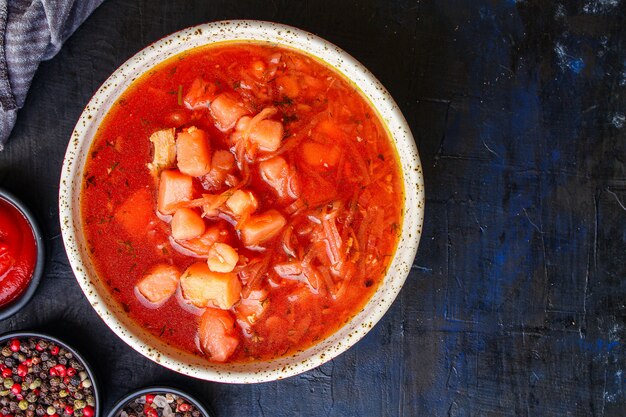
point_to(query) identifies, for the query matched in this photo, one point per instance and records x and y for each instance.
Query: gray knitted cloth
(31, 31)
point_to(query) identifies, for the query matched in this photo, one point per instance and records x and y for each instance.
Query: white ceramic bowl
(95, 290)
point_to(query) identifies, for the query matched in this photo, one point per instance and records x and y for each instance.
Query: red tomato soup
(18, 253)
(242, 201)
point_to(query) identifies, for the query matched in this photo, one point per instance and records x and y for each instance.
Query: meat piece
(164, 153)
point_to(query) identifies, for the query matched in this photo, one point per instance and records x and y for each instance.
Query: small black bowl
(94, 383)
(12, 308)
(117, 408)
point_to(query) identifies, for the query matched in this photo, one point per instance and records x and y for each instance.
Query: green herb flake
(90, 181)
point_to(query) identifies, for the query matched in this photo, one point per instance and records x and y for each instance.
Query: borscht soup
(242, 201)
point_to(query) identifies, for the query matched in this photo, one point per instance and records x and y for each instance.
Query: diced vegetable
(217, 334)
(223, 160)
(205, 288)
(267, 135)
(250, 309)
(159, 284)
(320, 155)
(174, 188)
(258, 69)
(262, 227)
(242, 203)
(222, 163)
(200, 94)
(132, 214)
(280, 176)
(187, 224)
(200, 247)
(193, 152)
(222, 258)
(164, 153)
(226, 110)
(288, 86)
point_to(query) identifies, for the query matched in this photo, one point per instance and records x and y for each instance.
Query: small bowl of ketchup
(21, 255)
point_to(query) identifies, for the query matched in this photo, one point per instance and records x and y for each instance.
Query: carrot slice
(187, 224)
(174, 188)
(218, 334)
(193, 152)
(226, 110)
(205, 288)
(159, 284)
(262, 227)
(133, 215)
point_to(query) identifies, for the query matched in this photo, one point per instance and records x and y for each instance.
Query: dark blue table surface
(516, 303)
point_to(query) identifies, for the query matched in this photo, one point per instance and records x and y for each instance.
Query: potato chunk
(159, 284)
(187, 224)
(226, 110)
(164, 157)
(242, 203)
(267, 135)
(174, 188)
(193, 152)
(280, 176)
(259, 228)
(222, 258)
(205, 288)
(217, 334)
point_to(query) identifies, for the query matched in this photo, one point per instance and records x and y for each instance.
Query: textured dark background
(516, 304)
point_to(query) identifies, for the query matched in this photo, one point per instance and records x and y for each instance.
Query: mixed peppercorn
(39, 378)
(159, 405)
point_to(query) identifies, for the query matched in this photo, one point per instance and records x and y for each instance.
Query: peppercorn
(23, 405)
(6, 351)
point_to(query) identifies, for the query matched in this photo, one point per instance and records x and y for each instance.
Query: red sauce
(18, 253)
(359, 184)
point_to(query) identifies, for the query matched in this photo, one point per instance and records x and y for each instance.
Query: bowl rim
(35, 278)
(94, 380)
(380, 100)
(157, 389)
